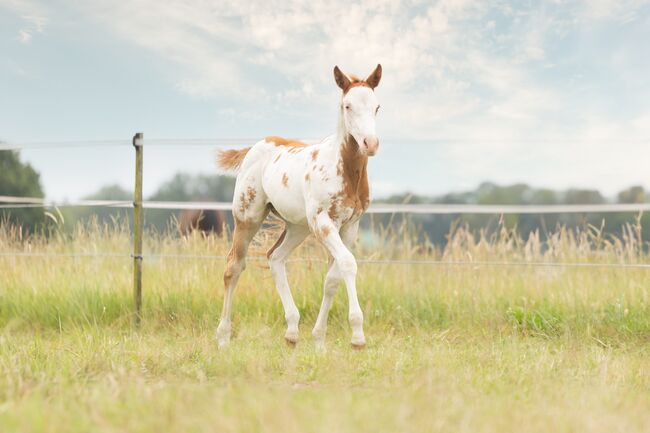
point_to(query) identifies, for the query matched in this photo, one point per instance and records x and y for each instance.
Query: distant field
(450, 348)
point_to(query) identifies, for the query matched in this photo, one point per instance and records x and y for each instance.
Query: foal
(322, 189)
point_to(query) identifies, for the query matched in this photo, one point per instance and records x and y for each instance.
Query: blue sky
(552, 93)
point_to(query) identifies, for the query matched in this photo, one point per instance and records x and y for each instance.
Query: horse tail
(231, 159)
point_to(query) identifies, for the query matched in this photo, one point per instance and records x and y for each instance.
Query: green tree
(21, 180)
(103, 214)
(634, 194)
(200, 187)
(436, 227)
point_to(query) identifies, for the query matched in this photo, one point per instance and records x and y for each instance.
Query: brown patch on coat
(238, 250)
(285, 180)
(246, 199)
(251, 192)
(279, 141)
(307, 177)
(314, 154)
(231, 159)
(276, 244)
(354, 172)
(243, 203)
(333, 211)
(356, 84)
(324, 231)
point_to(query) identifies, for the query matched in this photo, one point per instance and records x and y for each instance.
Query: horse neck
(353, 164)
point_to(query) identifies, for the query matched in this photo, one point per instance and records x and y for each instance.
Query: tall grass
(469, 346)
(52, 292)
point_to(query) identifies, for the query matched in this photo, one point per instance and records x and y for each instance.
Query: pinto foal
(322, 189)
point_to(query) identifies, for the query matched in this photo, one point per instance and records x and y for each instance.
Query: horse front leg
(345, 268)
(331, 286)
(292, 236)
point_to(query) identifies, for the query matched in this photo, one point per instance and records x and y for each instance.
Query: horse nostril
(371, 144)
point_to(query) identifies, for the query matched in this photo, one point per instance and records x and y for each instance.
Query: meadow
(450, 347)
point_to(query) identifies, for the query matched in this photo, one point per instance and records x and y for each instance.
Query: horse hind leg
(235, 264)
(292, 236)
(249, 211)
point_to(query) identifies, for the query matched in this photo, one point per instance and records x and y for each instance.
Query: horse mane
(356, 82)
(279, 141)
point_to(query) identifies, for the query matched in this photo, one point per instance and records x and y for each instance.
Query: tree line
(20, 179)
(436, 227)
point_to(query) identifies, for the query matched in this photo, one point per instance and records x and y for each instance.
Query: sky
(551, 93)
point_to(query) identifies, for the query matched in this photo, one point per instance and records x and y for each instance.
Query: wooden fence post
(138, 222)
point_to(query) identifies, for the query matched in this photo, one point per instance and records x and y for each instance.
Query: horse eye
(347, 107)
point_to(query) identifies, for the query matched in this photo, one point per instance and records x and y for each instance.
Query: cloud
(25, 36)
(33, 16)
(622, 11)
(443, 62)
(219, 41)
(508, 84)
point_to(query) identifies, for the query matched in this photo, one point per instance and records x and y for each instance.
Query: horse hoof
(223, 337)
(291, 338)
(358, 342)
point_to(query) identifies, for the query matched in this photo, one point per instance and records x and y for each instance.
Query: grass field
(450, 348)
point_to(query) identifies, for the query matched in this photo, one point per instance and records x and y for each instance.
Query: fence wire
(162, 142)
(9, 202)
(219, 142)
(364, 261)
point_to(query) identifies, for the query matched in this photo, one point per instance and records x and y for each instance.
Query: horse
(320, 189)
(203, 220)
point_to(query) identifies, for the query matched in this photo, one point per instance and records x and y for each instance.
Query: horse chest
(352, 198)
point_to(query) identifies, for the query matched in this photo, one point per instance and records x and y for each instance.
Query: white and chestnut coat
(320, 189)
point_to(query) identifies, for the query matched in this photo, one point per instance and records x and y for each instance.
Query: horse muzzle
(371, 145)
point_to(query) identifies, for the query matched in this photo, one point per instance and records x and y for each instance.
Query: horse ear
(374, 78)
(341, 79)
